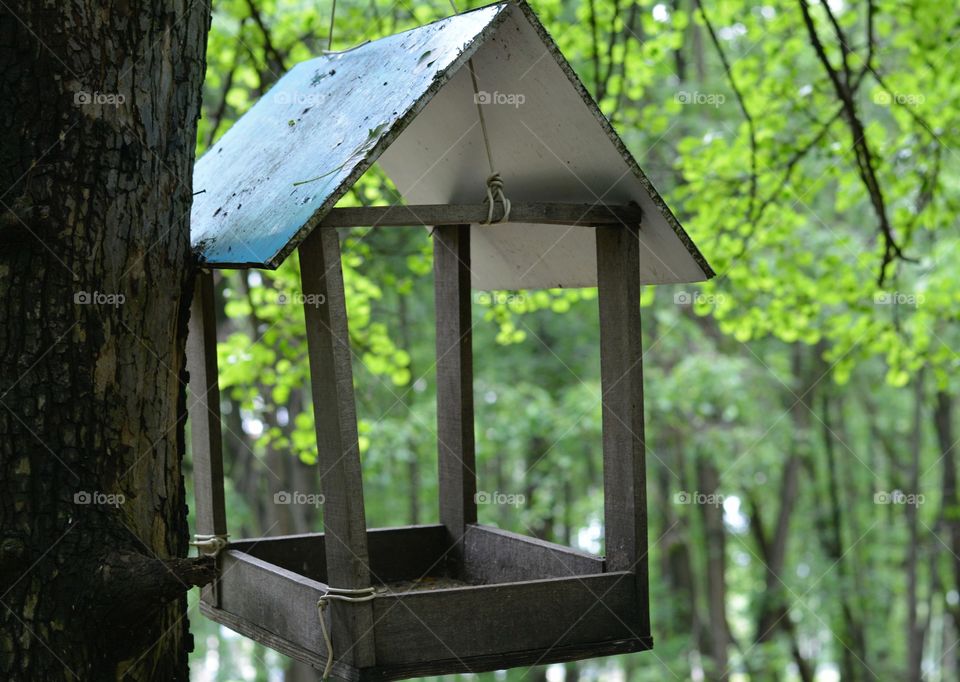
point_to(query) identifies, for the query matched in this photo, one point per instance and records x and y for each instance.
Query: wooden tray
(517, 601)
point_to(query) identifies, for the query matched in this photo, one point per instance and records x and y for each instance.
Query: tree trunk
(720, 639)
(949, 503)
(830, 525)
(774, 611)
(98, 109)
(916, 623)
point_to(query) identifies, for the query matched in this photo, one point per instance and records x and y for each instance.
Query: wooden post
(455, 438)
(621, 379)
(203, 409)
(335, 414)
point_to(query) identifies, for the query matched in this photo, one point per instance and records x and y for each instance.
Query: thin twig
(595, 45)
(217, 116)
(278, 59)
(799, 154)
(861, 147)
(751, 127)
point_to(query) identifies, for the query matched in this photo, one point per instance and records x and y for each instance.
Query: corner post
(621, 379)
(455, 437)
(338, 450)
(203, 408)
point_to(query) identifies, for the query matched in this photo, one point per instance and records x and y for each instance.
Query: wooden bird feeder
(583, 214)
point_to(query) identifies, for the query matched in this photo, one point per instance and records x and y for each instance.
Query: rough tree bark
(98, 109)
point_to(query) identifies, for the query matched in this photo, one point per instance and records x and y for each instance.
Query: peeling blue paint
(287, 161)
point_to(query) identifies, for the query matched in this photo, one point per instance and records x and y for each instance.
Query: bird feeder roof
(407, 103)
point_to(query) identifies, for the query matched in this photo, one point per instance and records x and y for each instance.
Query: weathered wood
(408, 552)
(492, 555)
(203, 408)
(313, 656)
(303, 554)
(403, 553)
(455, 437)
(285, 176)
(621, 381)
(438, 631)
(335, 415)
(442, 631)
(441, 214)
(431, 625)
(276, 599)
(281, 605)
(510, 659)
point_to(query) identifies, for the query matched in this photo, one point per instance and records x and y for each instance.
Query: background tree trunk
(718, 628)
(918, 615)
(98, 110)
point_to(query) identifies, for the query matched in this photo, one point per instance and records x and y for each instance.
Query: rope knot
(210, 545)
(494, 194)
(340, 594)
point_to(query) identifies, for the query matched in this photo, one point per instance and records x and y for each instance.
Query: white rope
(494, 181)
(494, 193)
(340, 594)
(210, 545)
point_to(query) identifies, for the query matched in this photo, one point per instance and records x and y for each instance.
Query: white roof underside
(549, 148)
(286, 162)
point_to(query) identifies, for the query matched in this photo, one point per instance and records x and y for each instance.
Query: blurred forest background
(801, 416)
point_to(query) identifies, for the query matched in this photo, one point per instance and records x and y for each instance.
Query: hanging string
(330, 50)
(494, 181)
(340, 594)
(333, 14)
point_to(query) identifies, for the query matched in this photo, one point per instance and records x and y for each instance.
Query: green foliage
(794, 353)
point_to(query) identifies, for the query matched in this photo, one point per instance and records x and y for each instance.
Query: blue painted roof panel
(304, 144)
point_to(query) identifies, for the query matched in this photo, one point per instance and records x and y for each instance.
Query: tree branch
(864, 156)
(130, 586)
(217, 116)
(743, 108)
(276, 62)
